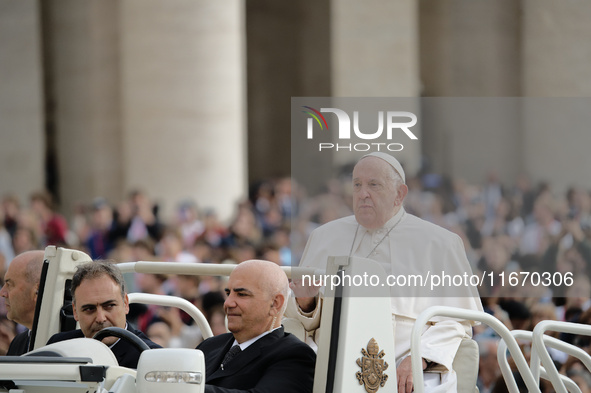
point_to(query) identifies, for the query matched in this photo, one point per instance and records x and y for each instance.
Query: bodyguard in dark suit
(99, 301)
(269, 360)
(127, 355)
(21, 283)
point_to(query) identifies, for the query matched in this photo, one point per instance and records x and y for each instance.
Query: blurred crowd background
(123, 108)
(505, 227)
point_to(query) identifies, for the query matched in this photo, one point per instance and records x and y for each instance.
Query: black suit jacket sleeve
(278, 362)
(19, 344)
(65, 336)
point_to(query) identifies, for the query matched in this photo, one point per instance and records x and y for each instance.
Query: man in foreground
(257, 356)
(403, 244)
(99, 301)
(21, 283)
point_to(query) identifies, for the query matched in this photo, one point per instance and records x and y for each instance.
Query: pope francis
(403, 244)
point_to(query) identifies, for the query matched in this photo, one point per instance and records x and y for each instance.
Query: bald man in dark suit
(266, 358)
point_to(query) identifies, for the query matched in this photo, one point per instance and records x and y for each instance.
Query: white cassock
(405, 245)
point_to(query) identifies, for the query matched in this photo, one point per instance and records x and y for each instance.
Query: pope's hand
(404, 375)
(305, 294)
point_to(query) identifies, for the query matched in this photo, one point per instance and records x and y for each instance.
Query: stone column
(556, 52)
(150, 95)
(374, 53)
(288, 55)
(471, 49)
(82, 63)
(183, 101)
(556, 58)
(557, 140)
(21, 99)
(374, 48)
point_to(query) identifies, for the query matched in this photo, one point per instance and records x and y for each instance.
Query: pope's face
(98, 305)
(376, 198)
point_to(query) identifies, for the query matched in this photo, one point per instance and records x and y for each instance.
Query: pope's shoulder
(410, 224)
(339, 223)
(413, 224)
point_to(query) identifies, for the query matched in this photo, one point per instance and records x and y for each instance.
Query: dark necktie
(230, 355)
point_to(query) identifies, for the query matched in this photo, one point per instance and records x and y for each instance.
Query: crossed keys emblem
(372, 367)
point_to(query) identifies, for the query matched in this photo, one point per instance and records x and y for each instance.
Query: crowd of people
(505, 228)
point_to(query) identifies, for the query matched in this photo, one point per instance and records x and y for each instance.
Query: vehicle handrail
(471, 315)
(570, 385)
(174, 301)
(540, 355)
(548, 342)
(199, 268)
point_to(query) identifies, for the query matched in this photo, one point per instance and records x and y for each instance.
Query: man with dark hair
(21, 283)
(99, 300)
(257, 356)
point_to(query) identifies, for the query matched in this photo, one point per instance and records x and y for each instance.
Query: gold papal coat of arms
(372, 367)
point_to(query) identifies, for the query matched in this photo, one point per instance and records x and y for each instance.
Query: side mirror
(174, 370)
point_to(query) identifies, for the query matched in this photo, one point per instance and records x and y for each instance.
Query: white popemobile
(355, 355)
